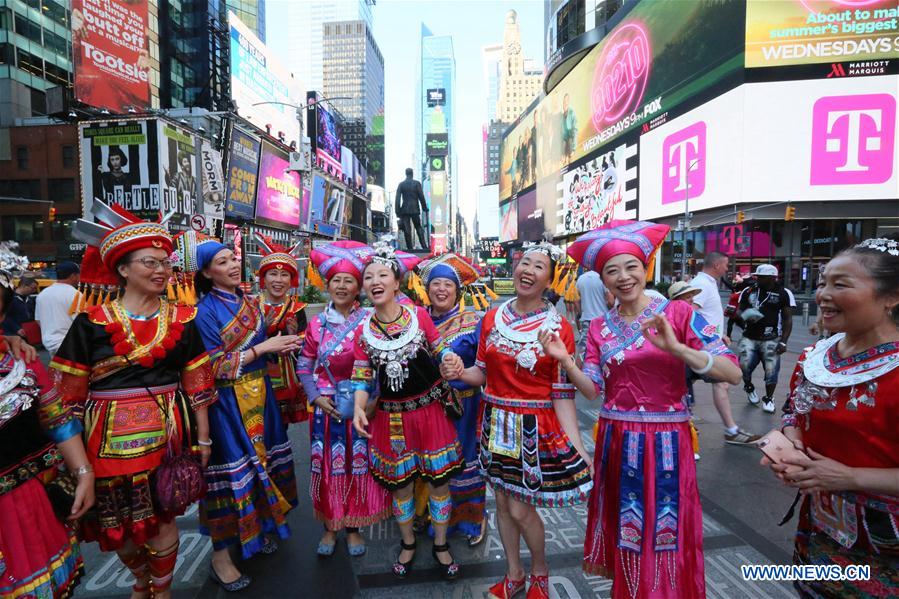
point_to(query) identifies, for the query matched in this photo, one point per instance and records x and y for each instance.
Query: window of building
(22, 158)
(28, 29)
(55, 43)
(23, 228)
(30, 63)
(68, 156)
(57, 11)
(61, 190)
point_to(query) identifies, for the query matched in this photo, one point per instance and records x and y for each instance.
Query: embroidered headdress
(11, 263)
(637, 238)
(194, 251)
(277, 257)
(402, 262)
(458, 270)
(564, 274)
(114, 235)
(881, 244)
(345, 256)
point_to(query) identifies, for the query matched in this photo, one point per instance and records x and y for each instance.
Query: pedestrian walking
(53, 306)
(766, 315)
(284, 314)
(344, 494)
(40, 553)
(136, 369)
(841, 412)
(644, 520)
(531, 449)
(411, 434)
(708, 303)
(446, 278)
(250, 476)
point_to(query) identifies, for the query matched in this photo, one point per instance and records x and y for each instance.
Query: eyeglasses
(154, 264)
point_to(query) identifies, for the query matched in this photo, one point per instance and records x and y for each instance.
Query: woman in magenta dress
(344, 493)
(644, 523)
(842, 411)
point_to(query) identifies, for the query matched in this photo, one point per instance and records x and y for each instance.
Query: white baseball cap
(765, 270)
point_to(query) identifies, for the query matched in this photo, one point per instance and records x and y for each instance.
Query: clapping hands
(451, 367)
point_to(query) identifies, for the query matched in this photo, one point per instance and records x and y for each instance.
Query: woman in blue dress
(250, 474)
(445, 279)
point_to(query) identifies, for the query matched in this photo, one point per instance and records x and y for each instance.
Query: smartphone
(777, 447)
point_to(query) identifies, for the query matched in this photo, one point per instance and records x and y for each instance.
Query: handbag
(344, 395)
(61, 494)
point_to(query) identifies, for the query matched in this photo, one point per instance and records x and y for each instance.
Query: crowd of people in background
(180, 388)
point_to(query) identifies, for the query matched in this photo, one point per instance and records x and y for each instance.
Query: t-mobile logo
(683, 164)
(852, 139)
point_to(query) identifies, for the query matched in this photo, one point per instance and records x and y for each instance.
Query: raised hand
(657, 330)
(553, 345)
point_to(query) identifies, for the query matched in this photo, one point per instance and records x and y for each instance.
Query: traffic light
(790, 214)
(51, 216)
(741, 216)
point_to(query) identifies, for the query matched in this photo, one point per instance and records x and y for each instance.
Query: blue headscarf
(442, 271)
(206, 251)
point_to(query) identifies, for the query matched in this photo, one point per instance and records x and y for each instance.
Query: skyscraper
(353, 68)
(304, 52)
(491, 56)
(250, 12)
(435, 135)
(517, 86)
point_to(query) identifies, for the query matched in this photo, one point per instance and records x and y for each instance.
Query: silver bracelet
(82, 470)
(708, 366)
(207, 443)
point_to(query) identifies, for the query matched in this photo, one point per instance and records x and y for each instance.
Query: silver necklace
(524, 345)
(394, 354)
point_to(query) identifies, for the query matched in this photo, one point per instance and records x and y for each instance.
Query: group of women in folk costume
(344, 493)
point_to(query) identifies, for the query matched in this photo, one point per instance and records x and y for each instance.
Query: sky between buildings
(473, 24)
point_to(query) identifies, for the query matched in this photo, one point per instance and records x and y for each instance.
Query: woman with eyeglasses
(250, 476)
(135, 370)
(284, 315)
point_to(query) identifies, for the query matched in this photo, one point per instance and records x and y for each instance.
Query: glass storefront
(798, 249)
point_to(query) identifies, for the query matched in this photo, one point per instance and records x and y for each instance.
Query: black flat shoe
(231, 587)
(450, 570)
(475, 540)
(402, 569)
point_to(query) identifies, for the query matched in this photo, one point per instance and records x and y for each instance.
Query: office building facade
(517, 86)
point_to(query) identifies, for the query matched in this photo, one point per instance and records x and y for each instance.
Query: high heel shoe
(450, 570)
(402, 569)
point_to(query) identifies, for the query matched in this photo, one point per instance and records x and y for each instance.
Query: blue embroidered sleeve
(704, 336)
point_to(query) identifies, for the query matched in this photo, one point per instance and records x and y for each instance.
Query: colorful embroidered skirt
(289, 392)
(39, 557)
(406, 445)
(252, 485)
(526, 454)
(814, 547)
(644, 520)
(344, 493)
(125, 438)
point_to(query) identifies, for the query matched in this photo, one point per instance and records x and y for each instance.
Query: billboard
(794, 32)
(144, 165)
(323, 206)
(377, 198)
(243, 167)
(257, 76)
(836, 140)
(593, 193)
(213, 185)
(660, 55)
(111, 59)
(278, 192)
(437, 144)
(530, 217)
(439, 214)
(328, 139)
(436, 96)
(508, 221)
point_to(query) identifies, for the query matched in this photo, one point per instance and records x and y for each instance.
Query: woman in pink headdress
(344, 493)
(644, 523)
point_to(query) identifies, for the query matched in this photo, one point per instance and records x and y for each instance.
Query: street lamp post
(300, 109)
(683, 256)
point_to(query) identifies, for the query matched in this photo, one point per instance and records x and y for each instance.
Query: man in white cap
(766, 315)
(708, 304)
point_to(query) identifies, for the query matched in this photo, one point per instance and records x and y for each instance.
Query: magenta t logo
(852, 139)
(683, 164)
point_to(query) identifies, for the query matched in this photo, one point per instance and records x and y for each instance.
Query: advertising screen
(593, 193)
(319, 198)
(243, 165)
(660, 55)
(111, 59)
(530, 217)
(793, 32)
(508, 221)
(278, 192)
(436, 96)
(257, 76)
(437, 144)
(328, 139)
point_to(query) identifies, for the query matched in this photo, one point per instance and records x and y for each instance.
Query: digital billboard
(328, 139)
(436, 96)
(278, 192)
(530, 217)
(146, 166)
(659, 56)
(508, 221)
(263, 89)
(111, 59)
(794, 32)
(243, 165)
(437, 144)
(324, 205)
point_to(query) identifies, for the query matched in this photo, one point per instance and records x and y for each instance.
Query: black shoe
(402, 569)
(450, 570)
(231, 587)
